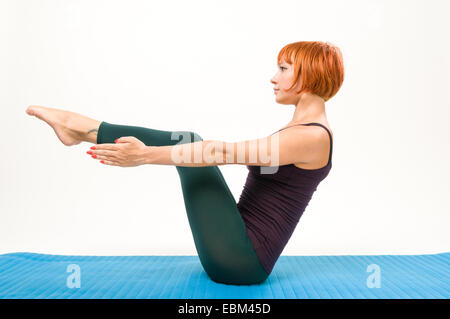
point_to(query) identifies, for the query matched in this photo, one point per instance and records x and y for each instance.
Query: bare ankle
(85, 127)
(91, 136)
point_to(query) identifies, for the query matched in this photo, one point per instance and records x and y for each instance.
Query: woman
(237, 243)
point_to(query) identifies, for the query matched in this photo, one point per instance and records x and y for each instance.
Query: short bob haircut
(318, 65)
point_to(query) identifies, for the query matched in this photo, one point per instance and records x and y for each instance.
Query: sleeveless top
(271, 204)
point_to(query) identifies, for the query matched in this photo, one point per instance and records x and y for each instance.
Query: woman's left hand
(127, 151)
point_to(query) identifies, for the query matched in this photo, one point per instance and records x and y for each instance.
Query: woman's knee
(186, 137)
(196, 137)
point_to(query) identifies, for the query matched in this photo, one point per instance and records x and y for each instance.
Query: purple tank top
(271, 204)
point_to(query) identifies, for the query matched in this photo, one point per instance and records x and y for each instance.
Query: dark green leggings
(223, 246)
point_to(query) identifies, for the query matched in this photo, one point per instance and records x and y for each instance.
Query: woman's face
(282, 80)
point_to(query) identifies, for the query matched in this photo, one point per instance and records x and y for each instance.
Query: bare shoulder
(324, 132)
(320, 136)
(313, 131)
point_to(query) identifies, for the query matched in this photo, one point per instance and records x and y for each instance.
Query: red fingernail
(115, 141)
(94, 156)
(89, 152)
(102, 161)
(93, 148)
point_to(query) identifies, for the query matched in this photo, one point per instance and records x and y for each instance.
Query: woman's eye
(282, 67)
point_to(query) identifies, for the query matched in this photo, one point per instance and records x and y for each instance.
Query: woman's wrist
(149, 154)
(196, 154)
(161, 155)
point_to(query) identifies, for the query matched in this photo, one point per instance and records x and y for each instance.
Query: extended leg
(219, 232)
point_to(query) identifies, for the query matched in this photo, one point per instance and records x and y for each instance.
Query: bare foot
(58, 120)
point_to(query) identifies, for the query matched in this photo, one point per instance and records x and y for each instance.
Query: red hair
(319, 66)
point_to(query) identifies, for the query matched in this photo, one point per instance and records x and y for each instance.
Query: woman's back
(272, 204)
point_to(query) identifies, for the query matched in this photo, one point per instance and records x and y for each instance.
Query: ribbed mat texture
(31, 275)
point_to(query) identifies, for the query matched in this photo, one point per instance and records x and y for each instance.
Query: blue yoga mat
(31, 275)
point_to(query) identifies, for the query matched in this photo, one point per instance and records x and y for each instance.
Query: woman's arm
(196, 154)
(293, 145)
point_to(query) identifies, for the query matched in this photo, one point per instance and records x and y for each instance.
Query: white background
(206, 66)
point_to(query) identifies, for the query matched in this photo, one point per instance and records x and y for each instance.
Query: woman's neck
(309, 108)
